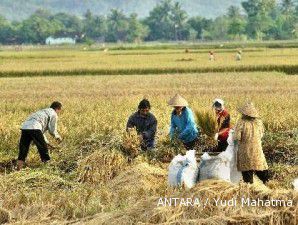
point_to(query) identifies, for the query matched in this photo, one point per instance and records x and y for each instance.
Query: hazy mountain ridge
(20, 9)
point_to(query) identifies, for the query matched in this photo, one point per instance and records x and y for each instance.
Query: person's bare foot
(20, 164)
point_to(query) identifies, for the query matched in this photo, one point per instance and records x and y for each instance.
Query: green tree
(72, 25)
(38, 27)
(199, 24)
(179, 19)
(136, 30)
(236, 26)
(95, 27)
(259, 20)
(118, 26)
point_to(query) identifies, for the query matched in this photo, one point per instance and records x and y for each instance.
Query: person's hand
(140, 138)
(216, 137)
(50, 147)
(59, 140)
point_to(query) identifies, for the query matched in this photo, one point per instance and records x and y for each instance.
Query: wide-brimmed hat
(249, 109)
(178, 100)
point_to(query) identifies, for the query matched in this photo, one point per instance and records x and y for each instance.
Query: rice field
(90, 180)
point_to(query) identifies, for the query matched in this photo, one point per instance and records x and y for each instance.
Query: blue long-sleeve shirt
(184, 125)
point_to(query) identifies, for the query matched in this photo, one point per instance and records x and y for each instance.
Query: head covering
(178, 100)
(144, 104)
(218, 103)
(248, 109)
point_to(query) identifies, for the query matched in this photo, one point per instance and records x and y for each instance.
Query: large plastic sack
(183, 170)
(222, 166)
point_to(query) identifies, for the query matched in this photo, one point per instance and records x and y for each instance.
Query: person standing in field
(211, 56)
(183, 123)
(145, 123)
(238, 55)
(33, 129)
(249, 131)
(223, 124)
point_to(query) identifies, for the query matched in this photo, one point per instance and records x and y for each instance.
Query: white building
(59, 41)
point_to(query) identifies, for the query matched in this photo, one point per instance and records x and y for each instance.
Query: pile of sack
(184, 170)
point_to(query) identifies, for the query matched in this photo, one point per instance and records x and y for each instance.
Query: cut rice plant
(207, 123)
(101, 166)
(131, 143)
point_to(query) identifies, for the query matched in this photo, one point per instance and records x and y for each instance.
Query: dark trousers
(221, 146)
(37, 137)
(248, 175)
(190, 145)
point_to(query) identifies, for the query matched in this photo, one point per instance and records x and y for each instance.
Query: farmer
(33, 129)
(211, 56)
(249, 131)
(223, 124)
(238, 55)
(183, 123)
(145, 124)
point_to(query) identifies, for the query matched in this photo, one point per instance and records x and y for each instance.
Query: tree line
(167, 21)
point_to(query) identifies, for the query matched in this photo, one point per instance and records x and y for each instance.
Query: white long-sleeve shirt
(45, 119)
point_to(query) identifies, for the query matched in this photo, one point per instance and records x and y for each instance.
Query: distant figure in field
(249, 131)
(223, 124)
(183, 123)
(145, 123)
(239, 55)
(211, 56)
(33, 129)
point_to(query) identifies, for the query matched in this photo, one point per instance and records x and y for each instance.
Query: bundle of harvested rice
(207, 123)
(101, 166)
(131, 143)
(139, 181)
(210, 202)
(4, 216)
(34, 179)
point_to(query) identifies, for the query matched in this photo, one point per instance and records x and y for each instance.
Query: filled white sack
(222, 166)
(183, 170)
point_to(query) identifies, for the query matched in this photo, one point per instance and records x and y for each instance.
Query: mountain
(20, 9)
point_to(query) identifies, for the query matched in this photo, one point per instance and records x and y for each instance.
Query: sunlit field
(80, 61)
(90, 180)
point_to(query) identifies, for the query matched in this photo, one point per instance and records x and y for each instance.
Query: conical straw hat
(249, 109)
(178, 100)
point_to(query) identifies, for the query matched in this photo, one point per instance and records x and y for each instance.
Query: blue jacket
(184, 125)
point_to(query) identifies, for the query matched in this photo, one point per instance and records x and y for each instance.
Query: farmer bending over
(249, 131)
(33, 129)
(183, 123)
(145, 124)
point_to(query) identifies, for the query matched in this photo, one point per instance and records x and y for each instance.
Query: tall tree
(136, 30)
(117, 26)
(259, 20)
(236, 25)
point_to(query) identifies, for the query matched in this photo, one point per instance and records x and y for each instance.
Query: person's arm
(190, 124)
(53, 126)
(150, 133)
(225, 125)
(130, 123)
(173, 128)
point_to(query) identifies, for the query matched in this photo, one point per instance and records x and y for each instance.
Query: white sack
(183, 170)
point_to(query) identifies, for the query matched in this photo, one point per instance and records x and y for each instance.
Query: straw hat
(177, 100)
(249, 109)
